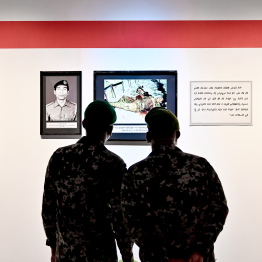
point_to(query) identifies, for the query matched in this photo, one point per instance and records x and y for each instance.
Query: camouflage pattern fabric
(174, 205)
(81, 209)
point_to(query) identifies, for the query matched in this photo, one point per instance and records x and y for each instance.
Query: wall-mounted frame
(133, 94)
(60, 101)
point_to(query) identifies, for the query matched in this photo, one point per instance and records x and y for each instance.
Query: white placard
(221, 103)
(61, 125)
(130, 129)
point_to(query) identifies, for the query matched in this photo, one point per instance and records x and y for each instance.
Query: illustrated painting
(133, 98)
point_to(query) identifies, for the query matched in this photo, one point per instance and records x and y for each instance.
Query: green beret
(100, 112)
(161, 121)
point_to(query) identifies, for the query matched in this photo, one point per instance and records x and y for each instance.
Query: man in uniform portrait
(61, 109)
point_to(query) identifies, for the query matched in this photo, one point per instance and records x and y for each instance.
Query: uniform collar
(164, 148)
(66, 104)
(87, 141)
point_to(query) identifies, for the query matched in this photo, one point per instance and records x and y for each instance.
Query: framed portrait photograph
(133, 94)
(60, 102)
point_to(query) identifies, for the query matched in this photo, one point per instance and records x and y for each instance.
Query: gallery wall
(234, 151)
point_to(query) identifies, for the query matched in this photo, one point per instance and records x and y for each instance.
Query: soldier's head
(61, 89)
(99, 118)
(163, 126)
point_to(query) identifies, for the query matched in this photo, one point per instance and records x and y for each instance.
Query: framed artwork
(133, 94)
(60, 102)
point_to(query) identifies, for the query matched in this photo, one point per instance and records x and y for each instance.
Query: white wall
(234, 151)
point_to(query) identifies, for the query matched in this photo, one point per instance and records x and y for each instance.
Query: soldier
(81, 209)
(61, 109)
(173, 202)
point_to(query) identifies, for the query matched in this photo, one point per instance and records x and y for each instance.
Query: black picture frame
(54, 119)
(154, 83)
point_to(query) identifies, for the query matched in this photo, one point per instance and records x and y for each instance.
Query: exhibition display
(133, 94)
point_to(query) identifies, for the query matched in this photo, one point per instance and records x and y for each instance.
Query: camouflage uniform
(173, 204)
(81, 206)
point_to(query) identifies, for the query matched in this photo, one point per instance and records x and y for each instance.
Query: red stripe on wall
(131, 34)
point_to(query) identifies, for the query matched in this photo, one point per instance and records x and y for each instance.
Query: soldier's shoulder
(144, 163)
(67, 149)
(71, 103)
(189, 158)
(192, 156)
(50, 104)
(113, 156)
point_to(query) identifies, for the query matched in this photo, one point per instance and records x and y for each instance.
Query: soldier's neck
(96, 139)
(61, 102)
(163, 141)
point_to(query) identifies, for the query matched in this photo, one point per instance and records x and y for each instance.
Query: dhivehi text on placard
(61, 125)
(221, 103)
(130, 129)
